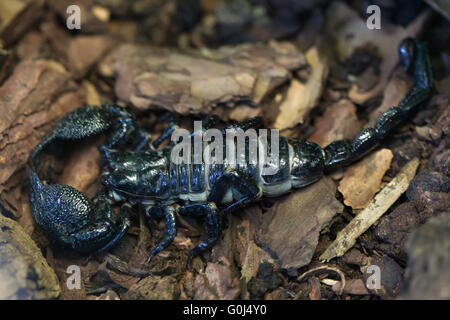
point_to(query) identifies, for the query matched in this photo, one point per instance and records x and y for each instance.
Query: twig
(346, 238)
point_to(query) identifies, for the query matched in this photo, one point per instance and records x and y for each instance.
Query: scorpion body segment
(147, 176)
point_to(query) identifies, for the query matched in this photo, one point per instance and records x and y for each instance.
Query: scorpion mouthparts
(104, 178)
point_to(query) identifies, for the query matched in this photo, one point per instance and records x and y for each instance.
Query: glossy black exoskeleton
(146, 176)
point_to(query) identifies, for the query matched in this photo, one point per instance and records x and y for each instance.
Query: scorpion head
(151, 180)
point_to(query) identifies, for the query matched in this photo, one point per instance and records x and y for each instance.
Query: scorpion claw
(66, 215)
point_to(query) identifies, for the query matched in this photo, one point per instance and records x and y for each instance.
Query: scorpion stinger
(166, 189)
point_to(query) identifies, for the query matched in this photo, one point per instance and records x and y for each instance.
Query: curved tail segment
(415, 59)
(65, 213)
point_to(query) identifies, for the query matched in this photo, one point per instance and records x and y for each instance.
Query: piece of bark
(339, 121)
(37, 93)
(440, 129)
(273, 61)
(363, 179)
(346, 238)
(6, 62)
(247, 254)
(154, 288)
(24, 272)
(193, 83)
(92, 96)
(17, 16)
(83, 167)
(355, 257)
(290, 229)
(352, 287)
(30, 45)
(85, 51)
(343, 21)
(216, 282)
(302, 97)
(266, 279)
(396, 89)
(440, 158)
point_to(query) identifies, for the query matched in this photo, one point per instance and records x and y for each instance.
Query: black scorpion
(146, 175)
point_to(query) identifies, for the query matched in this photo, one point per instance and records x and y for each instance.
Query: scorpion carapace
(145, 174)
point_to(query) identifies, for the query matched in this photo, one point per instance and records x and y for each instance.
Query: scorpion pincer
(145, 175)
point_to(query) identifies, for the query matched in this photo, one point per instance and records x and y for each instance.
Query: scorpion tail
(414, 57)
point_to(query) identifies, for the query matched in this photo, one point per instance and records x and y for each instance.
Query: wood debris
(339, 121)
(302, 97)
(24, 272)
(193, 83)
(290, 229)
(363, 179)
(378, 206)
(43, 93)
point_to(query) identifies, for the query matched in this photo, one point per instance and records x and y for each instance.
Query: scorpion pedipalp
(64, 212)
(67, 215)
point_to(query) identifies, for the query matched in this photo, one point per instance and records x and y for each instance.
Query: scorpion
(143, 174)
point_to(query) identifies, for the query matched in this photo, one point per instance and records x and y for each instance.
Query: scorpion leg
(112, 158)
(173, 122)
(246, 189)
(240, 185)
(143, 139)
(209, 210)
(168, 213)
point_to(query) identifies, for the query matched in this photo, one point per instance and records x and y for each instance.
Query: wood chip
(363, 179)
(201, 80)
(17, 16)
(396, 89)
(290, 229)
(339, 121)
(85, 51)
(302, 97)
(37, 93)
(83, 167)
(24, 272)
(217, 282)
(346, 238)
